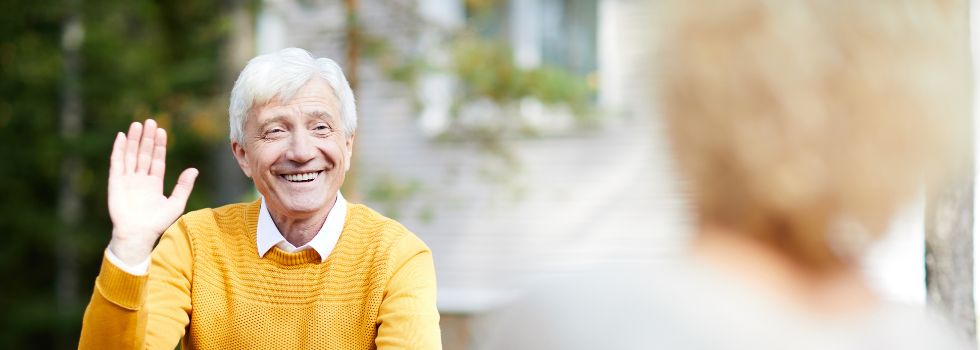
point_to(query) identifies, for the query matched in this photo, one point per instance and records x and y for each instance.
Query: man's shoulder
(362, 220)
(224, 216)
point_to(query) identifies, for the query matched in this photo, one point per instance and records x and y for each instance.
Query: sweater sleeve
(137, 312)
(408, 317)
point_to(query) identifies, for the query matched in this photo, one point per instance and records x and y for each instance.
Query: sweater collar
(267, 235)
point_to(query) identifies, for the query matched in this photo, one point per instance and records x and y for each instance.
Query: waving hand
(139, 210)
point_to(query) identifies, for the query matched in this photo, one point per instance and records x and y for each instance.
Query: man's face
(296, 151)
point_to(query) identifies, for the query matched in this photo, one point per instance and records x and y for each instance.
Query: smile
(302, 177)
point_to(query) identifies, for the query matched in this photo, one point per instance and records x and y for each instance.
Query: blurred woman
(799, 127)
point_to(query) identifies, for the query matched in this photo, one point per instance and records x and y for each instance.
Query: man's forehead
(298, 108)
(283, 112)
(315, 98)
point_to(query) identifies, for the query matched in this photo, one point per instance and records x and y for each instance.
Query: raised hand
(139, 210)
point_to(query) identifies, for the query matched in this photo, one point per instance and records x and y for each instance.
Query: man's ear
(350, 151)
(239, 151)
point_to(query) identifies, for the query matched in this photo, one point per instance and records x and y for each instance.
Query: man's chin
(304, 208)
(298, 203)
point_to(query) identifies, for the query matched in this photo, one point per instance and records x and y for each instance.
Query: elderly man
(299, 268)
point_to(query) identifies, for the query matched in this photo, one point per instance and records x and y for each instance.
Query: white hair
(281, 74)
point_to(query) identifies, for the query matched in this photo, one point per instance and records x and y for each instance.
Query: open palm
(139, 210)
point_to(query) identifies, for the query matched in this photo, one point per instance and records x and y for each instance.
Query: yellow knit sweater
(208, 287)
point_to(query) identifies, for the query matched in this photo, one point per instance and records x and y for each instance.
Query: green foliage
(138, 59)
(486, 68)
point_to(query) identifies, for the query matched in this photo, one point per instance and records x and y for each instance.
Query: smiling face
(296, 151)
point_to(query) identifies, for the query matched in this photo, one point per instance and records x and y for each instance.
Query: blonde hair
(805, 123)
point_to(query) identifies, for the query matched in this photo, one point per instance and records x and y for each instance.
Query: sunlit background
(513, 137)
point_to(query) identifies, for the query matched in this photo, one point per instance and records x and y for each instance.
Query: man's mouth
(301, 177)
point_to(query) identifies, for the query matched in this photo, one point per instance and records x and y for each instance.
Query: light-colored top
(268, 236)
(685, 305)
(208, 289)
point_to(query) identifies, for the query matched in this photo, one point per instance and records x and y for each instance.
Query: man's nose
(301, 148)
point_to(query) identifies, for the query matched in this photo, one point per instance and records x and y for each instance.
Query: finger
(145, 156)
(132, 145)
(159, 163)
(185, 183)
(117, 163)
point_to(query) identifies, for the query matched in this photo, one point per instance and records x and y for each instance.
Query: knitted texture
(208, 286)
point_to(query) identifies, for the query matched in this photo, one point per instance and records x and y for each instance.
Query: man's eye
(321, 127)
(273, 132)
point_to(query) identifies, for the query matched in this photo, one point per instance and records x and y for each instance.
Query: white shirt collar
(267, 235)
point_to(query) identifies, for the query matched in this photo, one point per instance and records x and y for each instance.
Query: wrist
(140, 269)
(130, 251)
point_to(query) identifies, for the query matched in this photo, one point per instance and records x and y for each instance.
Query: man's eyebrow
(322, 114)
(274, 119)
(283, 118)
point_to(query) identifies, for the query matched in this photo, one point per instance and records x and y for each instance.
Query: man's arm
(408, 317)
(117, 314)
(142, 312)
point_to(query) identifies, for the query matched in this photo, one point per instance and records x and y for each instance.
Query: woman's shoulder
(685, 306)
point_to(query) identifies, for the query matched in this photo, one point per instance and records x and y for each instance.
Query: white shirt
(267, 235)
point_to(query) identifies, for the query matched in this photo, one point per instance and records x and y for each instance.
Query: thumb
(185, 183)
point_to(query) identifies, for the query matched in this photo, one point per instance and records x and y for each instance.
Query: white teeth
(301, 177)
